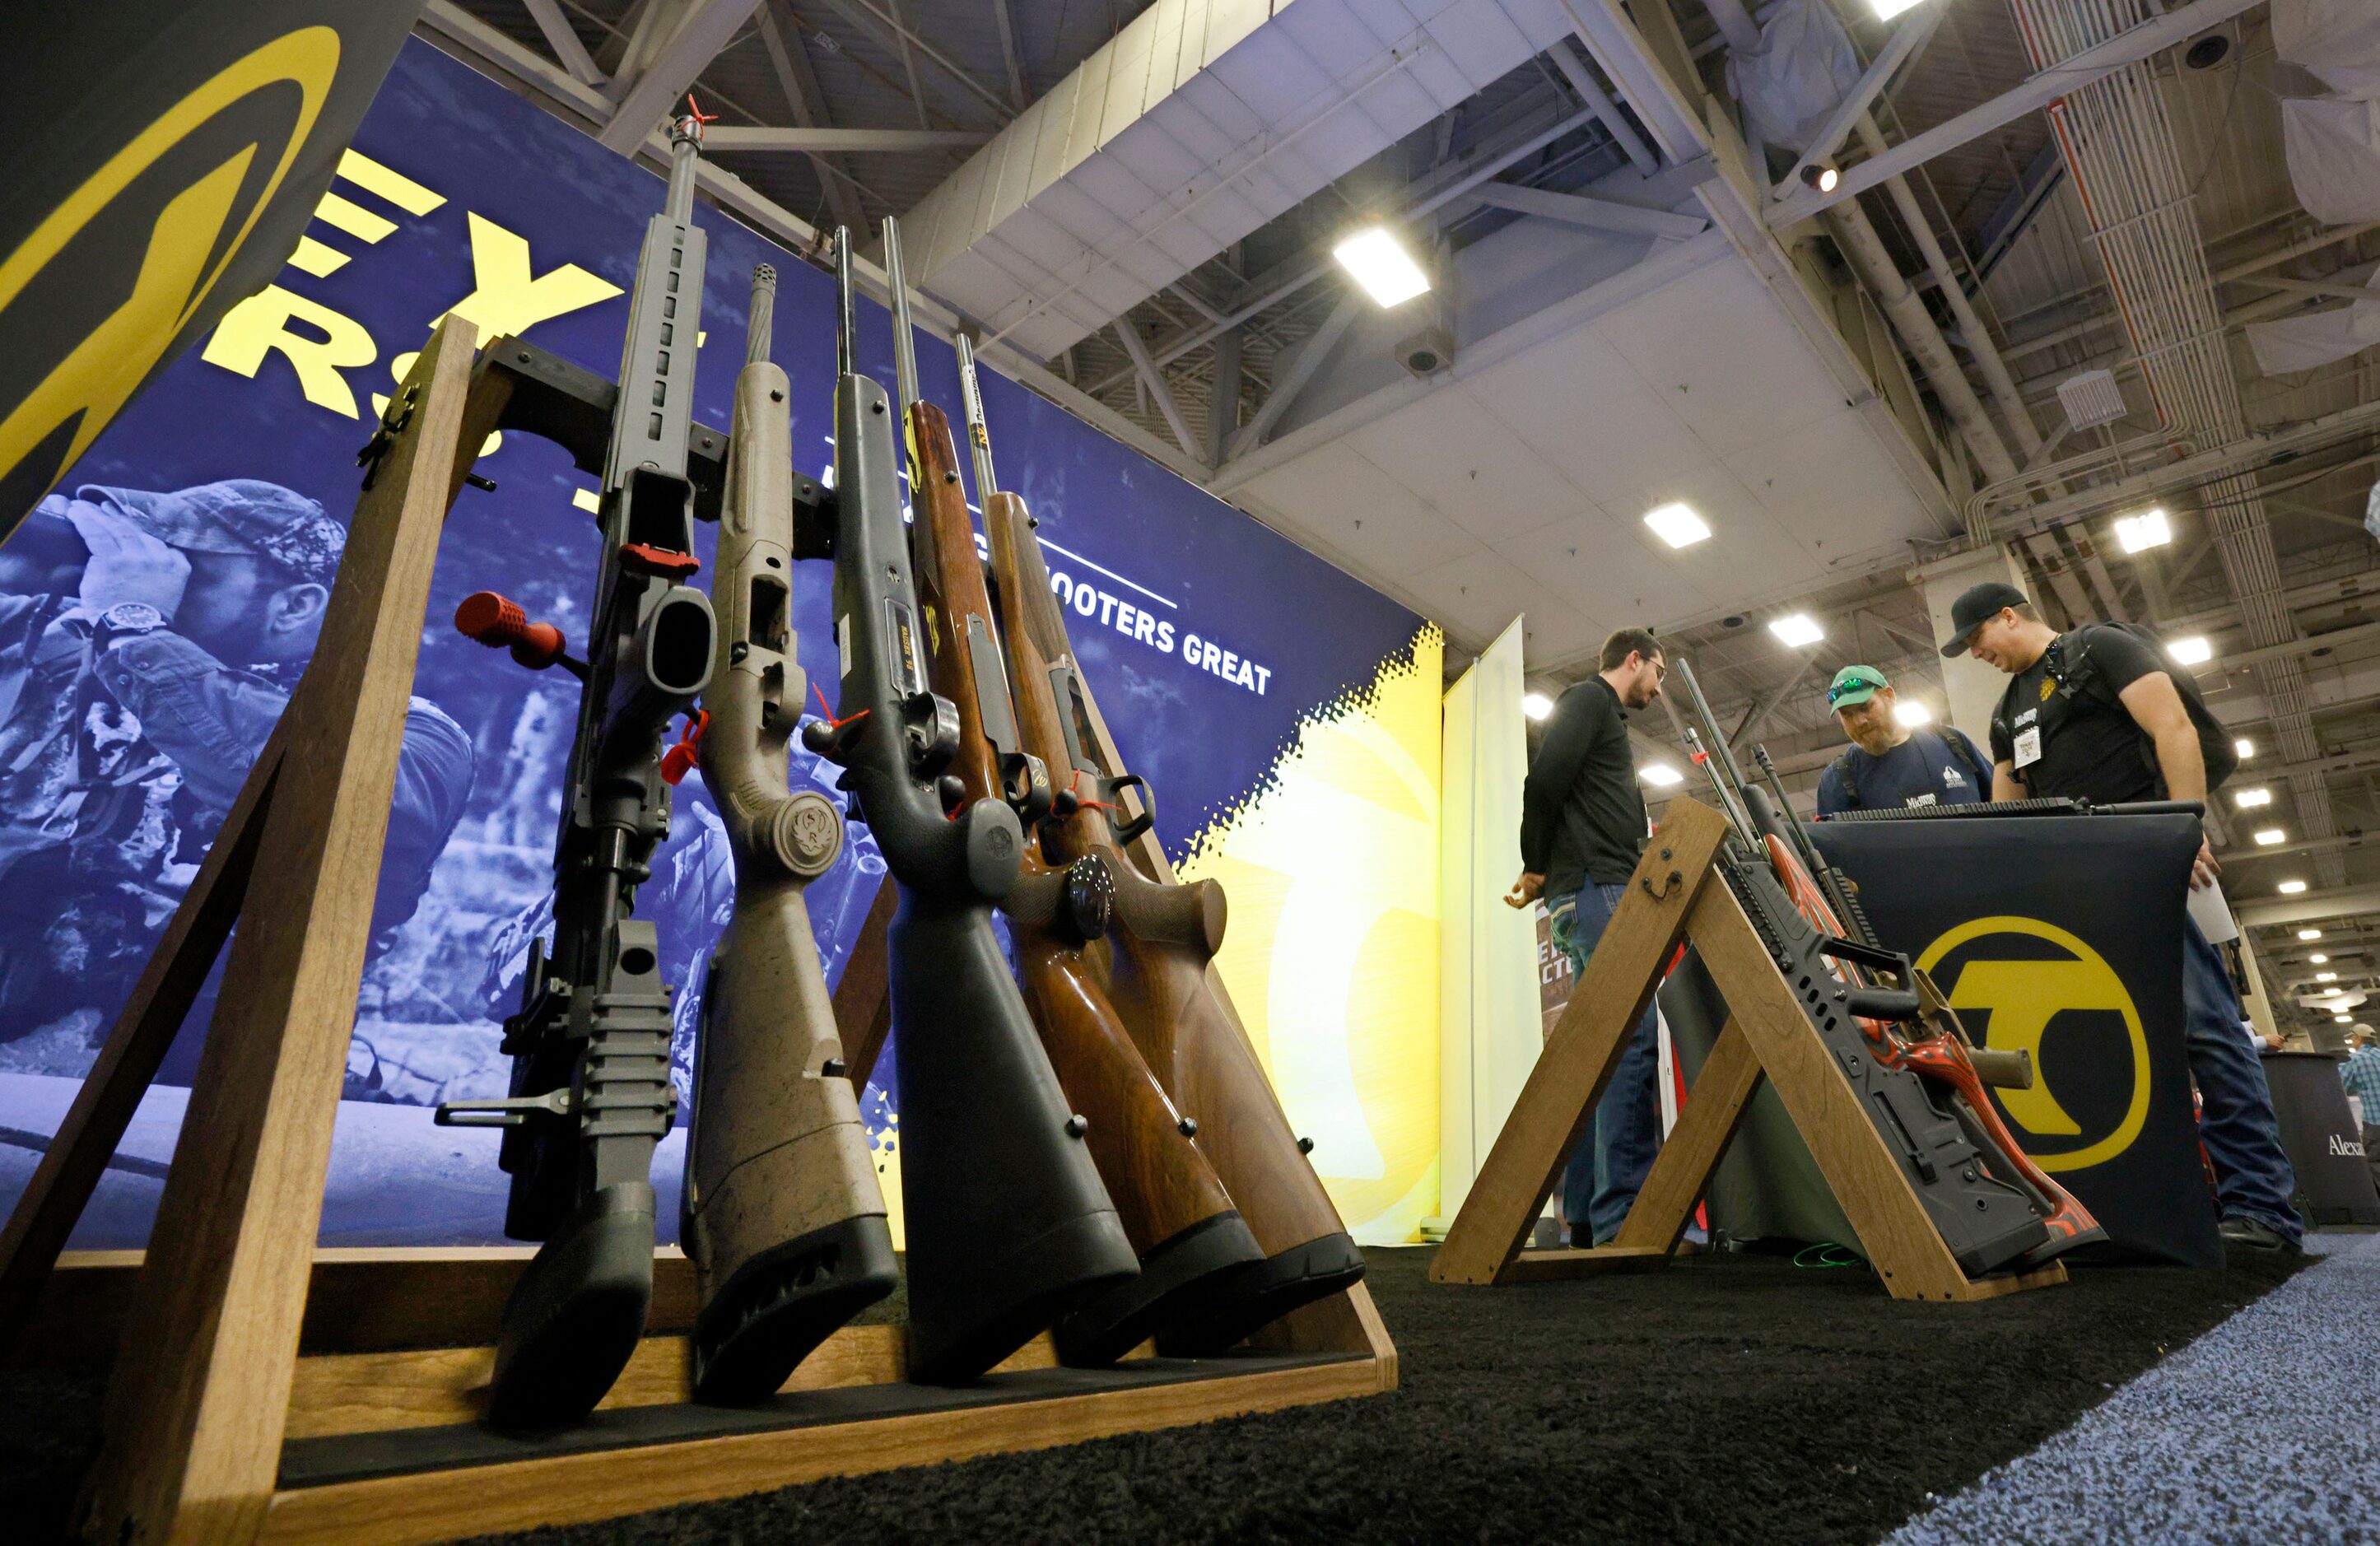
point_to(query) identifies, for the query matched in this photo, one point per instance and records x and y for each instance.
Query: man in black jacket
(1582, 827)
(2098, 713)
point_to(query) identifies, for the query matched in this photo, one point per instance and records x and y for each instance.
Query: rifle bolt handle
(1077, 1124)
(497, 621)
(833, 1068)
(1189, 1126)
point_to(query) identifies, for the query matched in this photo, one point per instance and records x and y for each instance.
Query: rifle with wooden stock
(1008, 1224)
(1185, 1232)
(1154, 965)
(781, 1214)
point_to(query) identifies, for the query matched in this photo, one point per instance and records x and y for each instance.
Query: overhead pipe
(1856, 235)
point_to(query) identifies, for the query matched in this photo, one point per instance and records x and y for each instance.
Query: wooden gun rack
(266, 1390)
(1676, 895)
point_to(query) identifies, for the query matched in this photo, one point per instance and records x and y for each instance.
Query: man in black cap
(149, 641)
(2098, 713)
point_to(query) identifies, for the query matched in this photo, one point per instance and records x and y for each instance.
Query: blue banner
(158, 608)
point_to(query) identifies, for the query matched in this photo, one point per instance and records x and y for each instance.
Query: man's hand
(2204, 869)
(1525, 891)
(126, 564)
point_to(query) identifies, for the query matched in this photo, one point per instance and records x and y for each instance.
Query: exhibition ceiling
(1144, 198)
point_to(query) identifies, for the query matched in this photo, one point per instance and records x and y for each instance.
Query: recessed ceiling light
(1379, 262)
(1677, 526)
(2194, 651)
(2245, 748)
(2309, 934)
(2291, 888)
(1913, 713)
(1537, 705)
(2269, 836)
(1887, 9)
(1797, 631)
(2343, 1019)
(2145, 530)
(2318, 958)
(1660, 774)
(2249, 799)
(2325, 977)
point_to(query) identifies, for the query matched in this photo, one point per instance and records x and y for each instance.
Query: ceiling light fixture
(2249, 799)
(1379, 262)
(1660, 774)
(1797, 631)
(1822, 175)
(2150, 528)
(2245, 748)
(2318, 958)
(2270, 837)
(2291, 888)
(1913, 713)
(2325, 977)
(1537, 705)
(2194, 651)
(1677, 526)
(1887, 9)
(2309, 934)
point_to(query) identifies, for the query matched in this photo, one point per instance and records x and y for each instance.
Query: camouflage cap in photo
(237, 515)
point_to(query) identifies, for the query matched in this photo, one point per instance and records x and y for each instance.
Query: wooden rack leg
(1570, 1074)
(1713, 1110)
(110, 1092)
(1893, 1227)
(195, 1409)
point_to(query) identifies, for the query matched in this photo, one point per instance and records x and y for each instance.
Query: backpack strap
(1847, 780)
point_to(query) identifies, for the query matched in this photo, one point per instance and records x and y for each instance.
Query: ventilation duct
(1200, 121)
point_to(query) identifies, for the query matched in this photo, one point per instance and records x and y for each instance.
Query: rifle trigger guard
(1126, 831)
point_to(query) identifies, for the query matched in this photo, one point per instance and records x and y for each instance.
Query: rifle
(1157, 956)
(1008, 1224)
(781, 1213)
(590, 1044)
(1184, 1230)
(1895, 1036)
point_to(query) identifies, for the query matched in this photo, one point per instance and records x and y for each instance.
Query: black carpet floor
(1735, 1399)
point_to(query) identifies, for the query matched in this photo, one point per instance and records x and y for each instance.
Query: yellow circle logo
(243, 130)
(2024, 998)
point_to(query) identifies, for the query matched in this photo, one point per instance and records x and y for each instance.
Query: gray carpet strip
(2266, 1429)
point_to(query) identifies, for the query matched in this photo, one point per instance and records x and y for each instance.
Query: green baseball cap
(1854, 684)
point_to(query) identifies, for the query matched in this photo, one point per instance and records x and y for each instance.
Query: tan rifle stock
(1179, 1218)
(1155, 965)
(783, 1215)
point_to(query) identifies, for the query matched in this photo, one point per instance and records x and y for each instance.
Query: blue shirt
(2362, 1075)
(1923, 770)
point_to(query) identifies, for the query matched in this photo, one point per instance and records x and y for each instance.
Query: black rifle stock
(1157, 954)
(590, 1087)
(1188, 1237)
(781, 1214)
(1008, 1224)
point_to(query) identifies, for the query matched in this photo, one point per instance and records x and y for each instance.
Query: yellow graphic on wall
(1332, 956)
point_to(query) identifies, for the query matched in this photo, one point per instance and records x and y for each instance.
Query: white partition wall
(1490, 1019)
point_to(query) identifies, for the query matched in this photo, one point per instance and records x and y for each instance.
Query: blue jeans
(2252, 1176)
(1625, 1131)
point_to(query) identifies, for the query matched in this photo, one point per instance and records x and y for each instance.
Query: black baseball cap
(1975, 606)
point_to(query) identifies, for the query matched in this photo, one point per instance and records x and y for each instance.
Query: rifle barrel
(978, 430)
(904, 345)
(764, 315)
(845, 324)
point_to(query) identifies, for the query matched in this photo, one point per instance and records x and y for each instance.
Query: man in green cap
(1890, 762)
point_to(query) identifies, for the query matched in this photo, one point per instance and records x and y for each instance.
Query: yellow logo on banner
(2024, 997)
(100, 373)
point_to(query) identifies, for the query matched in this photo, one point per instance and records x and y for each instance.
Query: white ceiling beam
(708, 26)
(563, 41)
(791, 61)
(1590, 91)
(1914, 34)
(810, 140)
(1611, 35)
(1154, 379)
(2335, 902)
(1300, 371)
(2127, 47)
(1575, 209)
(1007, 23)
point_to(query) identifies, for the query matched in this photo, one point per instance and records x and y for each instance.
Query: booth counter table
(2326, 1148)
